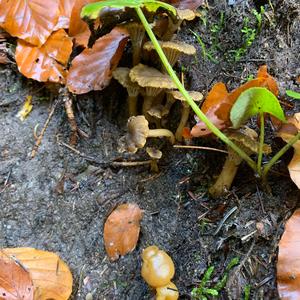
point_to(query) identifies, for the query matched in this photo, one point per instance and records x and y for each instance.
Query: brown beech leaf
(121, 230)
(78, 28)
(65, 9)
(48, 62)
(51, 277)
(287, 132)
(30, 20)
(15, 281)
(92, 68)
(288, 264)
(219, 101)
(186, 4)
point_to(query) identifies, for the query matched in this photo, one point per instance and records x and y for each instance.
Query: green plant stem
(186, 95)
(261, 143)
(276, 157)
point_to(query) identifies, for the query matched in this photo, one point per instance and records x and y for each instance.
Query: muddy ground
(59, 200)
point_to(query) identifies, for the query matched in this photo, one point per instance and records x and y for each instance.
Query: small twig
(227, 215)
(130, 163)
(40, 137)
(200, 148)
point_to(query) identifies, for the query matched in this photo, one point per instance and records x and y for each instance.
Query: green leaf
(92, 10)
(255, 101)
(293, 94)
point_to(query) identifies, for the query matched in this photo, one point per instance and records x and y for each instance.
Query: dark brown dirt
(59, 200)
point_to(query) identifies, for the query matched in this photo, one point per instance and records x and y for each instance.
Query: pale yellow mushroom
(155, 156)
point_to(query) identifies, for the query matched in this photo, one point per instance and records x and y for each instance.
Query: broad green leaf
(293, 94)
(92, 10)
(255, 101)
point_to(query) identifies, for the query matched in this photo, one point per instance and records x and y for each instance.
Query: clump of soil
(59, 200)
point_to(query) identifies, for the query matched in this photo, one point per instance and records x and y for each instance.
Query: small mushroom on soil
(122, 76)
(167, 292)
(172, 49)
(246, 139)
(157, 268)
(176, 95)
(155, 156)
(137, 34)
(153, 82)
(183, 15)
(138, 132)
(156, 113)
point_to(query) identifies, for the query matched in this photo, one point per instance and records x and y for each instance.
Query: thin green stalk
(261, 143)
(186, 95)
(276, 157)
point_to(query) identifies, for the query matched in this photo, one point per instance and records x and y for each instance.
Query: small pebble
(89, 296)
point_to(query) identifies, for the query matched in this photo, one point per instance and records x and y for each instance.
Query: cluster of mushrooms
(151, 91)
(158, 270)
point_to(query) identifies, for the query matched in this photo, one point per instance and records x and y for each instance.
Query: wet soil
(59, 200)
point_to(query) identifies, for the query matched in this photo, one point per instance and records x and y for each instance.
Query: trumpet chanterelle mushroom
(153, 82)
(155, 156)
(246, 139)
(138, 132)
(176, 95)
(173, 50)
(122, 76)
(167, 292)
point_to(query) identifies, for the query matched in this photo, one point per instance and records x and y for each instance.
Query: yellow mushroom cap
(158, 268)
(181, 47)
(122, 76)
(167, 292)
(196, 96)
(154, 153)
(150, 77)
(186, 14)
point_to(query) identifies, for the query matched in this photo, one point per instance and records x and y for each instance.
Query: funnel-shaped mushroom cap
(246, 138)
(177, 46)
(138, 131)
(156, 111)
(122, 76)
(186, 14)
(148, 77)
(154, 153)
(136, 31)
(196, 96)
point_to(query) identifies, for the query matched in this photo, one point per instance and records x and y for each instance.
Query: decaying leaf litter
(170, 218)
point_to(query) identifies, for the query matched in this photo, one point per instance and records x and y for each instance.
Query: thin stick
(200, 148)
(130, 163)
(40, 137)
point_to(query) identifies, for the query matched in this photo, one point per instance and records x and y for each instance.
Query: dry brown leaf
(51, 277)
(15, 281)
(78, 28)
(65, 9)
(121, 230)
(47, 63)
(287, 132)
(288, 265)
(186, 4)
(219, 101)
(30, 20)
(92, 68)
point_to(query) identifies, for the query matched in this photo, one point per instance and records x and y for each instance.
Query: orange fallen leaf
(47, 63)
(78, 28)
(51, 277)
(219, 101)
(15, 281)
(65, 9)
(121, 230)
(92, 68)
(30, 20)
(287, 132)
(288, 264)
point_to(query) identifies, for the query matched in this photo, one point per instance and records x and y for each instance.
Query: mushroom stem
(154, 166)
(184, 118)
(167, 107)
(132, 105)
(136, 54)
(227, 175)
(162, 132)
(148, 100)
